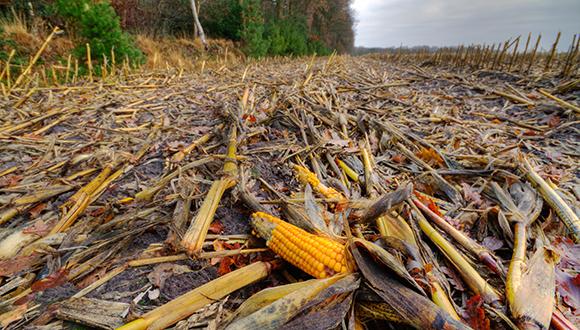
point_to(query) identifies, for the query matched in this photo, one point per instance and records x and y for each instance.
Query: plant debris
(129, 199)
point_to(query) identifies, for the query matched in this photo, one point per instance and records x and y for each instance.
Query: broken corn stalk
(388, 225)
(564, 211)
(352, 174)
(467, 272)
(533, 300)
(33, 60)
(481, 252)
(23, 203)
(186, 304)
(366, 154)
(78, 202)
(148, 193)
(529, 283)
(266, 297)
(275, 315)
(397, 227)
(317, 255)
(193, 239)
(306, 176)
(180, 155)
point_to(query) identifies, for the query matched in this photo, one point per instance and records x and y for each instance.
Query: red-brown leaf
(430, 203)
(39, 228)
(554, 121)
(98, 211)
(398, 158)
(476, 314)
(17, 264)
(225, 265)
(10, 180)
(53, 280)
(216, 227)
(569, 288)
(250, 118)
(35, 211)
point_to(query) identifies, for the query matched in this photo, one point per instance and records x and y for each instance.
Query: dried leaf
(314, 212)
(398, 158)
(492, 243)
(53, 280)
(476, 314)
(276, 314)
(98, 211)
(225, 265)
(471, 195)
(10, 180)
(453, 278)
(554, 121)
(164, 271)
(412, 308)
(430, 156)
(569, 288)
(39, 228)
(17, 264)
(430, 203)
(338, 142)
(216, 227)
(568, 252)
(249, 118)
(36, 210)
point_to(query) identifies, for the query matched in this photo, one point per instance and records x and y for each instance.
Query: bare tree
(198, 28)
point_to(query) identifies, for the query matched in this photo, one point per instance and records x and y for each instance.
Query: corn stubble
(360, 244)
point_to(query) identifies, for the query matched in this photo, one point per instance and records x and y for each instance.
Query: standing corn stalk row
(505, 56)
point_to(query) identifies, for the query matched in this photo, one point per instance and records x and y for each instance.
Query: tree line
(260, 27)
(263, 27)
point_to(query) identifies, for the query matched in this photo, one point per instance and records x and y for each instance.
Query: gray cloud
(383, 23)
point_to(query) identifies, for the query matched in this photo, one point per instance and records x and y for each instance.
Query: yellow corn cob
(318, 256)
(305, 176)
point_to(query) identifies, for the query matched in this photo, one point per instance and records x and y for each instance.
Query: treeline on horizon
(261, 27)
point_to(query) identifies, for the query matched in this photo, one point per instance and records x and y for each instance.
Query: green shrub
(252, 32)
(98, 25)
(290, 37)
(278, 43)
(7, 44)
(315, 46)
(222, 18)
(4, 42)
(296, 35)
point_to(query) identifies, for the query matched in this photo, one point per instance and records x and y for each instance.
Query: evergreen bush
(252, 32)
(98, 25)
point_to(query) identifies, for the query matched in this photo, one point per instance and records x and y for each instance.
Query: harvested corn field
(315, 193)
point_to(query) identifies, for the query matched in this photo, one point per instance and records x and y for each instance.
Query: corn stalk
(186, 304)
(193, 239)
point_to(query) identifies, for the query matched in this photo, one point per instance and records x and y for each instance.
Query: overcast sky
(383, 23)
